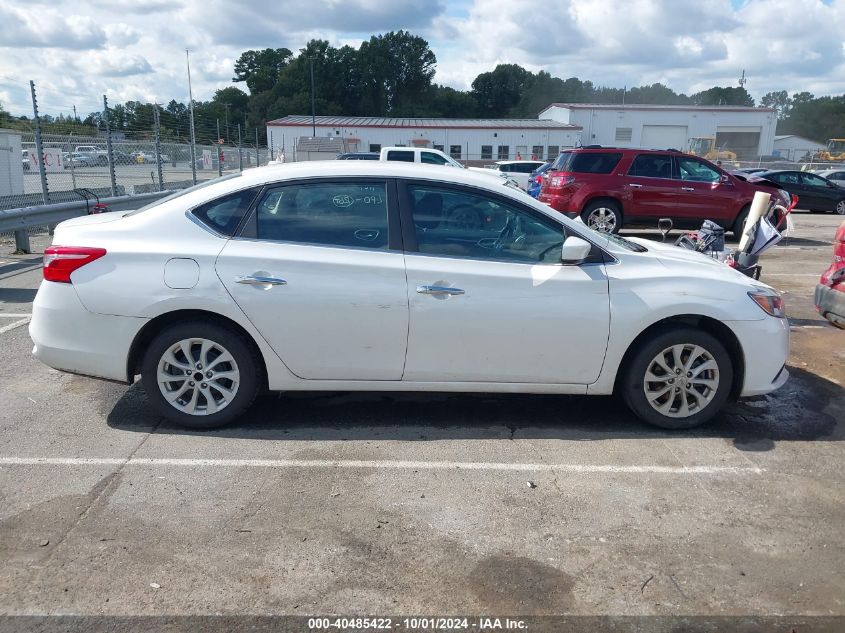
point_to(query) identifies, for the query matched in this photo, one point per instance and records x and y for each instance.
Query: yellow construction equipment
(835, 151)
(705, 146)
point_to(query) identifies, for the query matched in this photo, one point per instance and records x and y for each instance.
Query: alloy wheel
(602, 219)
(681, 380)
(198, 376)
(840, 207)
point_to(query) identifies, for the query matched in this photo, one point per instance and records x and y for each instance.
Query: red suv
(830, 293)
(609, 187)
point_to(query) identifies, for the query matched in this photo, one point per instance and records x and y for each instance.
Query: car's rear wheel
(678, 379)
(200, 375)
(840, 207)
(604, 216)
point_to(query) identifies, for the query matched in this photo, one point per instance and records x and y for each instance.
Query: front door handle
(439, 291)
(257, 280)
(634, 185)
(687, 188)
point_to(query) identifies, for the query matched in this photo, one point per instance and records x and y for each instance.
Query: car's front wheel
(200, 375)
(678, 379)
(604, 216)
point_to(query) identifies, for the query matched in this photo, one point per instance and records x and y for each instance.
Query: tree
(779, 100)
(497, 92)
(260, 69)
(395, 71)
(723, 96)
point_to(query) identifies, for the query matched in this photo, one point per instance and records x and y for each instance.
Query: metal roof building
(464, 139)
(748, 132)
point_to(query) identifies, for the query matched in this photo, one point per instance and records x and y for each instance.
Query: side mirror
(575, 250)
(725, 179)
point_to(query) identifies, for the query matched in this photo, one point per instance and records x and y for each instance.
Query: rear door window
(588, 162)
(345, 214)
(651, 166)
(401, 155)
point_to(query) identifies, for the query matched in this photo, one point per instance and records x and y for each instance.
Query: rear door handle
(634, 185)
(257, 280)
(439, 290)
(687, 188)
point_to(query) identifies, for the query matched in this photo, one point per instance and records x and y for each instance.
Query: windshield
(182, 192)
(836, 145)
(599, 236)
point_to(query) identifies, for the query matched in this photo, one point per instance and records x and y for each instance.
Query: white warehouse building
(464, 139)
(749, 132)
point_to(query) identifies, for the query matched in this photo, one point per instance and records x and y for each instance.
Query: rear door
(319, 271)
(652, 191)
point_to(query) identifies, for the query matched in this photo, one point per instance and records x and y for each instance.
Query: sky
(78, 50)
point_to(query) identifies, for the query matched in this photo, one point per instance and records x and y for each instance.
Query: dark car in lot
(614, 187)
(535, 180)
(830, 292)
(816, 192)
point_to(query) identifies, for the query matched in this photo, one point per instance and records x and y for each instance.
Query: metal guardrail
(20, 220)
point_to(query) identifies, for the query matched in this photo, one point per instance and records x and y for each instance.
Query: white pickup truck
(101, 156)
(436, 157)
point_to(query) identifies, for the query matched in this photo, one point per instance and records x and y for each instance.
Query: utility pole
(219, 151)
(109, 148)
(193, 133)
(743, 80)
(313, 110)
(75, 118)
(226, 105)
(157, 123)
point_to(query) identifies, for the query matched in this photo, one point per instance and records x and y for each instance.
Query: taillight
(538, 179)
(556, 182)
(61, 261)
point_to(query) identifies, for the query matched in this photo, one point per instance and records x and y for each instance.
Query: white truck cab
(436, 157)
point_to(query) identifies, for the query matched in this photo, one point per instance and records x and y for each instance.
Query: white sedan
(360, 275)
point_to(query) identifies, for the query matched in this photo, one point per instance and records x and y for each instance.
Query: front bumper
(831, 304)
(68, 337)
(765, 345)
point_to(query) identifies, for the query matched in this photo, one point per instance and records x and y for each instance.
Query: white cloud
(77, 50)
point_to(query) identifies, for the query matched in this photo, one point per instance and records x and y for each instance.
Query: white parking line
(14, 324)
(14, 315)
(377, 464)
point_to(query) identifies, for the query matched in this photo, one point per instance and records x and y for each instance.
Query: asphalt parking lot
(402, 504)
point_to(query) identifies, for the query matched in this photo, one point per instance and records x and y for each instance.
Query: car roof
(519, 162)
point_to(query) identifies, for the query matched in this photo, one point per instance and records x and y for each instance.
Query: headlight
(770, 301)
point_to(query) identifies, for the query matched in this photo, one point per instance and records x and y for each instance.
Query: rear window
(223, 215)
(401, 155)
(587, 162)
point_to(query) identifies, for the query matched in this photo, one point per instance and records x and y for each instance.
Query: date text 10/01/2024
(416, 624)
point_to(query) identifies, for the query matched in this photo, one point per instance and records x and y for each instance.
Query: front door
(818, 191)
(703, 195)
(315, 273)
(489, 298)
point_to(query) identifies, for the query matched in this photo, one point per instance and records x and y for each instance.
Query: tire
(231, 395)
(703, 396)
(740, 221)
(839, 209)
(605, 215)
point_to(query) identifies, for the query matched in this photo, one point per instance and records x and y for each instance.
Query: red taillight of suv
(560, 181)
(835, 274)
(61, 261)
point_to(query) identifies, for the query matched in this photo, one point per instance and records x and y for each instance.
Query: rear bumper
(765, 346)
(68, 337)
(831, 304)
(561, 203)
